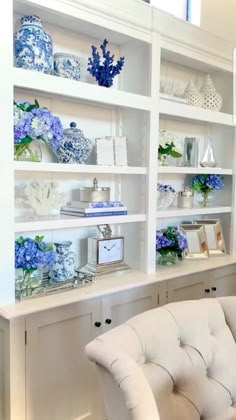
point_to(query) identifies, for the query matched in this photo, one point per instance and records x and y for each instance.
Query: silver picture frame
(190, 152)
(215, 237)
(197, 241)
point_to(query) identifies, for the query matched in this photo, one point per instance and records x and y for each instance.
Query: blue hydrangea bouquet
(205, 184)
(171, 243)
(32, 256)
(34, 124)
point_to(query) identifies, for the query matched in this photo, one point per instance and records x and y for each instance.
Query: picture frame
(215, 237)
(121, 151)
(112, 151)
(191, 152)
(197, 241)
(104, 148)
(120, 144)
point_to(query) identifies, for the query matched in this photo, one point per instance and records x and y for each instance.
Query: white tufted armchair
(177, 362)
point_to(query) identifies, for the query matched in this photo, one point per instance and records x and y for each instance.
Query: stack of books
(94, 209)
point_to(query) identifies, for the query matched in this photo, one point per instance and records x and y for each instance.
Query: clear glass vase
(163, 160)
(165, 199)
(169, 258)
(28, 279)
(30, 152)
(205, 199)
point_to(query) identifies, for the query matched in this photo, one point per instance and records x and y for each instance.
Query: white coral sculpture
(43, 198)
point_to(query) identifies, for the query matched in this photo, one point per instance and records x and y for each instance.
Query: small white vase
(212, 99)
(193, 96)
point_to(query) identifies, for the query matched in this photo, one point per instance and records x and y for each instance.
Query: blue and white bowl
(67, 65)
(33, 47)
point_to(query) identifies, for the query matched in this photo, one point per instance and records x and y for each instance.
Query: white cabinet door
(61, 383)
(223, 282)
(189, 287)
(119, 307)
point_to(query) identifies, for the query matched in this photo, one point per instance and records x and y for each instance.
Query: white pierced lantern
(212, 99)
(193, 96)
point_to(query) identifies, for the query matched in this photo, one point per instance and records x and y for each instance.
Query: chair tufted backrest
(177, 362)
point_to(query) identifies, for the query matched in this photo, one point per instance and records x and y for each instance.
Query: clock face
(110, 250)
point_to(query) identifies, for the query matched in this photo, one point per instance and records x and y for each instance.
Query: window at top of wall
(189, 10)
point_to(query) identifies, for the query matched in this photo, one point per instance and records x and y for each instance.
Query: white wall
(176, 8)
(219, 17)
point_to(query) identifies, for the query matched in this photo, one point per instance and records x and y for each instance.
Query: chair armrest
(129, 377)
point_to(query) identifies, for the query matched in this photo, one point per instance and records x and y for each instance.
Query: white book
(95, 210)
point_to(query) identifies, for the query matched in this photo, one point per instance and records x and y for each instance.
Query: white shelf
(190, 170)
(52, 85)
(69, 222)
(189, 112)
(77, 169)
(176, 212)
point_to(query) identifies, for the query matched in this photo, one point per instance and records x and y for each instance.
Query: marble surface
(114, 283)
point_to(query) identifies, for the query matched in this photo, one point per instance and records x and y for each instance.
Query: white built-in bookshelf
(131, 108)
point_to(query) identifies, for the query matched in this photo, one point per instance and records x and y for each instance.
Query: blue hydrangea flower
(165, 187)
(207, 183)
(31, 254)
(171, 240)
(34, 123)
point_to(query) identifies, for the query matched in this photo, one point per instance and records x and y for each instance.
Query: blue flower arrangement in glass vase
(33, 124)
(171, 243)
(205, 184)
(104, 72)
(32, 256)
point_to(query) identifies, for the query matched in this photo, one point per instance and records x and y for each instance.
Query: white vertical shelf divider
(7, 284)
(150, 249)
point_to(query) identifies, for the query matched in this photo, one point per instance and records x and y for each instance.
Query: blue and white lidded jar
(64, 266)
(33, 46)
(67, 65)
(74, 148)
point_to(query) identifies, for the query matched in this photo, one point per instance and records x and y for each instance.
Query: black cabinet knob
(207, 290)
(213, 289)
(108, 321)
(97, 324)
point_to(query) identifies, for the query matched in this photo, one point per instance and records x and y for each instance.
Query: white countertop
(116, 282)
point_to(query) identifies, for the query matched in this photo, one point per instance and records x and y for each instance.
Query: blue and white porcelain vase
(74, 148)
(67, 65)
(33, 46)
(64, 267)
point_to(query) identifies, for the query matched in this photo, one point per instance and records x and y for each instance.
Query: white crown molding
(134, 15)
(183, 36)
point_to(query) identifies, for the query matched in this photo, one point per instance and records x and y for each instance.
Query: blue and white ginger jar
(33, 46)
(75, 148)
(67, 65)
(64, 266)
